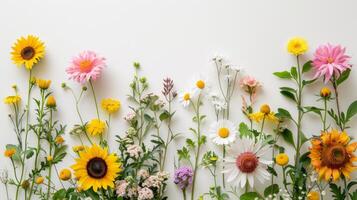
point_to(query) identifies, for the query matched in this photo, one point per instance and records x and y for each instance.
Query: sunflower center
(335, 156)
(200, 84)
(330, 60)
(85, 66)
(223, 132)
(247, 162)
(97, 168)
(28, 53)
(186, 96)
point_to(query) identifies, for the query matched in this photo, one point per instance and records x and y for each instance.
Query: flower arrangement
(245, 151)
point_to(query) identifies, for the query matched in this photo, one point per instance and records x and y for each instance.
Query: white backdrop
(169, 38)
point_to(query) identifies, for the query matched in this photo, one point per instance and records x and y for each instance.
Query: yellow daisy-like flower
(78, 148)
(313, 195)
(110, 105)
(96, 168)
(39, 180)
(9, 152)
(332, 155)
(96, 127)
(65, 174)
(28, 51)
(12, 99)
(43, 83)
(51, 102)
(264, 113)
(59, 140)
(282, 159)
(297, 46)
(49, 158)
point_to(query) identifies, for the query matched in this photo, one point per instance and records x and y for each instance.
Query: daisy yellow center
(330, 60)
(28, 53)
(200, 84)
(186, 97)
(297, 45)
(223, 132)
(85, 65)
(335, 156)
(97, 168)
(247, 162)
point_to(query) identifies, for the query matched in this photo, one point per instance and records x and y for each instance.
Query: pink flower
(330, 60)
(86, 66)
(249, 84)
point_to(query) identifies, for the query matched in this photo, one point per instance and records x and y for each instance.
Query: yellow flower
(313, 195)
(332, 154)
(51, 102)
(28, 51)
(282, 159)
(77, 149)
(49, 158)
(9, 152)
(95, 127)
(110, 105)
(297, 46)
(43, 84)
(265, 108)
(59, 140)
(200, 84)
(65, 174)
(325, 92)
(12, 99)
(39, 180)
(264, 113)
(96, 168)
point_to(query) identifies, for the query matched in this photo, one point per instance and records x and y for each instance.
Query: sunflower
(332, 155)
(28, 51)
(96, 169)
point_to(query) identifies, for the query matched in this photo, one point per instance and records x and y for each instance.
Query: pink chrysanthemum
(330, 60)
(86, 66)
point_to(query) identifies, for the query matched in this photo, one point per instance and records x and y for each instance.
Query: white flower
(244, 163)
(218, 102)
(199, 84)
(223, 132)
(185, 97)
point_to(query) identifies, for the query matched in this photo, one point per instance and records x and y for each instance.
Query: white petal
(251, 180)
(233, 175)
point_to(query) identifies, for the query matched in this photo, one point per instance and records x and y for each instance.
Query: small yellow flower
(51, 102)
(65, 174)
(39, 180)
(59, 140)
(79, 188)
(78, 148)
(313, 195)
(265, 108)
(200, 84)
(25, 184)
(9, 152)
(110, 105)
(43, 84)
(325, 92)
(95, 127)
(297, 46)
(49, 158)
(12, 99)
(282, 159)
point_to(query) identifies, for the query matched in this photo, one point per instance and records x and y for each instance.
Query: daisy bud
(65, 174)
(25, 184)
(325, 92)
(49, 158)
(265, 109)
(51, 102)
(313, 195)
(282, 159)
(43, 84)
(9, 152)
(59, 140)
(39, 180)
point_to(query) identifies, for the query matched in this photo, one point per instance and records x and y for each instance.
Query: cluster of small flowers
(134, 151)
(183, 177)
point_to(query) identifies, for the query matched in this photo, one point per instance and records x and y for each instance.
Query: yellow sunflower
(96, 168)
(28, 51)
(332, 155)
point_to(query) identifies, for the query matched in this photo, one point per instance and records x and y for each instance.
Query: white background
(170, 38)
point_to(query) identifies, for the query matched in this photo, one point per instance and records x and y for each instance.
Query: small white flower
(223, 132)
(185, 97)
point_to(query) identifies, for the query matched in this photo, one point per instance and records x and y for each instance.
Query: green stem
(95, 98)
(335, 87)
(198, 147)
(325, 114)
(50, 165)
(184, 194)
(223, 177)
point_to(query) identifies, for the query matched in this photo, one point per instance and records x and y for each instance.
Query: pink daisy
(330, 60)
(86, 66)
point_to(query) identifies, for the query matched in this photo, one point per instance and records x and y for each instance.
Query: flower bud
(265, 109)
(325, 92)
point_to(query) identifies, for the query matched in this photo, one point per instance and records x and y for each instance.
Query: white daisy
(223, 132)
(185, 97)
(199, 84)
(244, 163)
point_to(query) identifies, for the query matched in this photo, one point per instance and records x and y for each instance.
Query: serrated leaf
(271, 190)
(190, 143)
(307, 66)
(283, 74)
(244, 131)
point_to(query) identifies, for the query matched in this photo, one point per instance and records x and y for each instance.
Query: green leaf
(244, 131)
(313, 109)
(271, 190)
(288, 136)
(282, 113)
(272, 171)
(283, 74)
(60, 194)
(293, 72)
(307, 66)
(351, 111)
(165, 115)
(289, 89)
(288, 95)
(190, 143)
(29, 154)
(344, 76)
(307, 82)
(250, 196)
(303, 138)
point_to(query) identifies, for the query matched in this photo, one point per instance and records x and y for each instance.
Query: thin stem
(184, 194)
(223, 177)
(335, 87)
(7, 192)
(325, 114)
(95, 98)
(198, 146)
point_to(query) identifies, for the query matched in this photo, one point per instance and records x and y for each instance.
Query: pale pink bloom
(145, 194)
(330, 60)
(121, 187)
(249, 84)
(86, 66)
